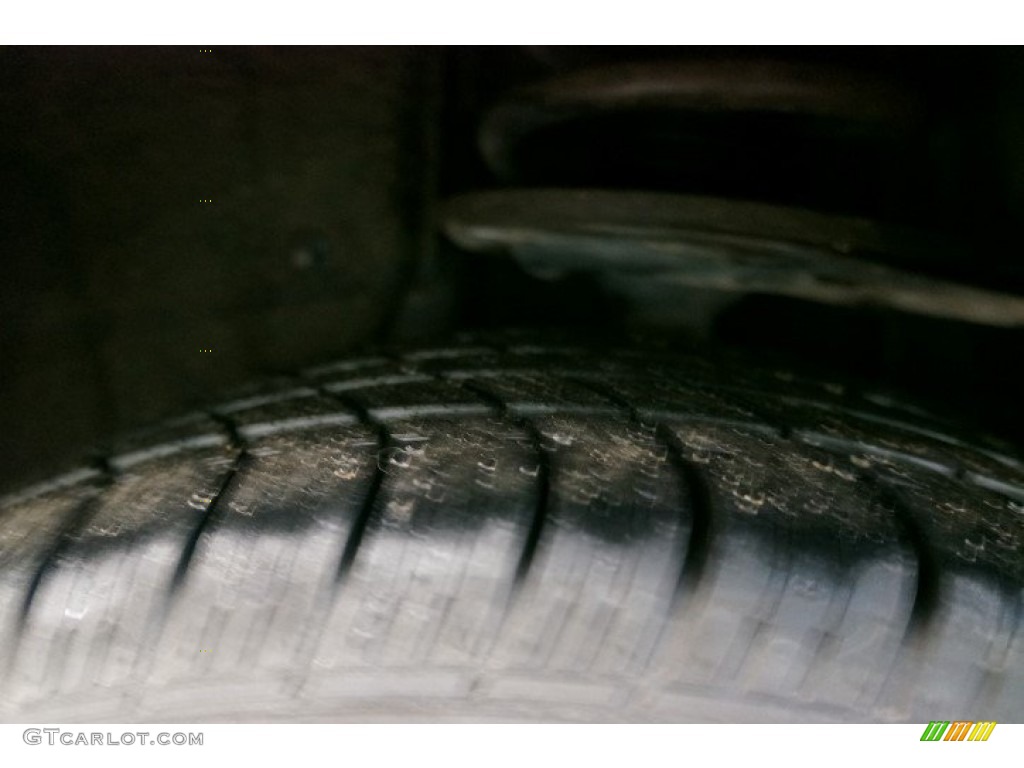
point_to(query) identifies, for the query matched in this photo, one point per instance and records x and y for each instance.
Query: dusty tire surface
(520, 533)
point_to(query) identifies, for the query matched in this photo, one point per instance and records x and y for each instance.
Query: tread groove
(385, 442)
(698, 490)
(189, 548)
(313, 636)
(695, 488)
(544, 480)
(235, 437)
(929, 572)
(362, 519)
(76, 521)
(239, 444)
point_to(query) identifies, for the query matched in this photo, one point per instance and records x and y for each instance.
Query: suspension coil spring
(724, 177)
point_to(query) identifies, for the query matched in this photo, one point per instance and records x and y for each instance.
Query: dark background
(324, 168)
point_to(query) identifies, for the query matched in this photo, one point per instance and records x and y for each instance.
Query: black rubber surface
(523, 533)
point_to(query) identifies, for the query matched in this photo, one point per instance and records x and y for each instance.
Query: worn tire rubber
(523, 533)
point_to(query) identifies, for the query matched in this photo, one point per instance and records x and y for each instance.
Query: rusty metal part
(632, 238)
(740, 87)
